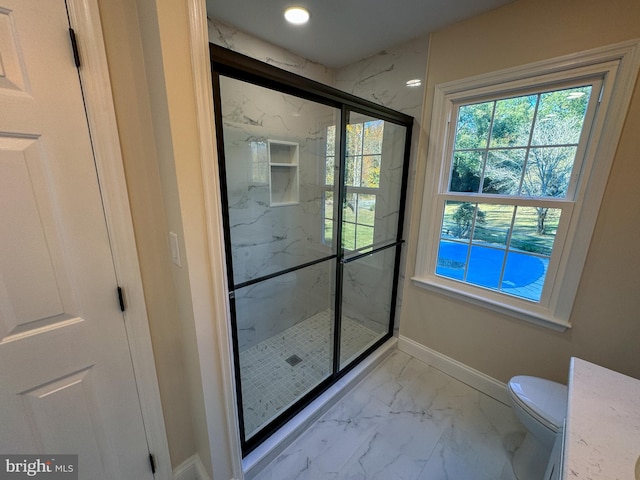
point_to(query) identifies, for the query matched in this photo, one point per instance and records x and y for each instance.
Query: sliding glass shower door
(283, 269)
(312, 201)
(372, 214)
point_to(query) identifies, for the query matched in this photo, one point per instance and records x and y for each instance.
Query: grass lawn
(357, 225)
(497, 224)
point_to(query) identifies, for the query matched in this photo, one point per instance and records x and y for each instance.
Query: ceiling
(345, 31)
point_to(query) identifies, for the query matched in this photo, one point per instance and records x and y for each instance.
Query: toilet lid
(544, 399)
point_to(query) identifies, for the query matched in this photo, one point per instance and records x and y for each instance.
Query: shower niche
(313, 183)
(283, 173)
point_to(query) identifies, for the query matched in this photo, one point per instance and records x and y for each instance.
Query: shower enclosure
(313, 183)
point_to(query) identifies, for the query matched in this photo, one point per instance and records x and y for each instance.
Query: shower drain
(293, 360)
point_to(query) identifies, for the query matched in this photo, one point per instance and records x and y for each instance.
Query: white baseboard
(191, 469)
(186, 470)
(470, 376)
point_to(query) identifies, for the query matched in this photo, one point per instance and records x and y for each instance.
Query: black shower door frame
(231, 64)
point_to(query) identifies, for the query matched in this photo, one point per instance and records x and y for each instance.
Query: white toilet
(541, 406)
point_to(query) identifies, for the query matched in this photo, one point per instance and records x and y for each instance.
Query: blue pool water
(485, 263)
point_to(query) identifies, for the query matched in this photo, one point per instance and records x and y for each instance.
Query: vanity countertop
(602, 437)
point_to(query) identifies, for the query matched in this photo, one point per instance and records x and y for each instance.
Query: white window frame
(618, 66)
(375, 191)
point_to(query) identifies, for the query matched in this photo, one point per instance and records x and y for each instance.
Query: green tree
(463, 217)
(549, 168)
(548, 143)
(512, 121)
(473, 125)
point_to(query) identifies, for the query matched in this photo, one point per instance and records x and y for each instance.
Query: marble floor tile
(405, 420)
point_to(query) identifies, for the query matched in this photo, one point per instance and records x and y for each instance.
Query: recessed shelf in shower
(283, 173)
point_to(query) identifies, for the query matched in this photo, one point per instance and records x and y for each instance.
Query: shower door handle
(366, 254)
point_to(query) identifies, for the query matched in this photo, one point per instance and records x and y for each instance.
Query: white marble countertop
(602, 437)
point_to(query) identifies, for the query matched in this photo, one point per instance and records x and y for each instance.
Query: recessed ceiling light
(296, 15)
(416, 82)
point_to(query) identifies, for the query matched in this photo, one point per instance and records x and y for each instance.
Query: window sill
(537, 318)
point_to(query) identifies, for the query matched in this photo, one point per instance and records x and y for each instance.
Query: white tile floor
(270, 384)
(406, 420)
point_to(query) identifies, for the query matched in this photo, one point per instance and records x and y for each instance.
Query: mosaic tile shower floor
(270, 384)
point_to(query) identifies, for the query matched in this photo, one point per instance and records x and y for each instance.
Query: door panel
(276, 148)
(371, 216)
(66, 411)
(367, 302)
(285, 341)
(67, 379)
(12, 75)
(27, 273)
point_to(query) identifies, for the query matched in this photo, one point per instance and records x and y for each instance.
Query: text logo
(39, 467)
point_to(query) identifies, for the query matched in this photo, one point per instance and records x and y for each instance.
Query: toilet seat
(544, 400)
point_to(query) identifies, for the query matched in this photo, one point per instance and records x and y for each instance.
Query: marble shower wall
(382, 79)
(238, 41)
(368, 282)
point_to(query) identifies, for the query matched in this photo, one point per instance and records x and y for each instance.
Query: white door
(66, 377)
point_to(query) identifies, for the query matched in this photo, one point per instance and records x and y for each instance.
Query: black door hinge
(152, 462)
(121, 299)
(74, 47)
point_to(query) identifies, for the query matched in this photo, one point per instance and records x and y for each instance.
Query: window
(362, 181)
(504, 221)
(509, 174)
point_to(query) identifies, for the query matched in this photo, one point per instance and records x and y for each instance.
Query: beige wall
(606, 314)
(148, 50)
(136, 129)
(166, 43)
